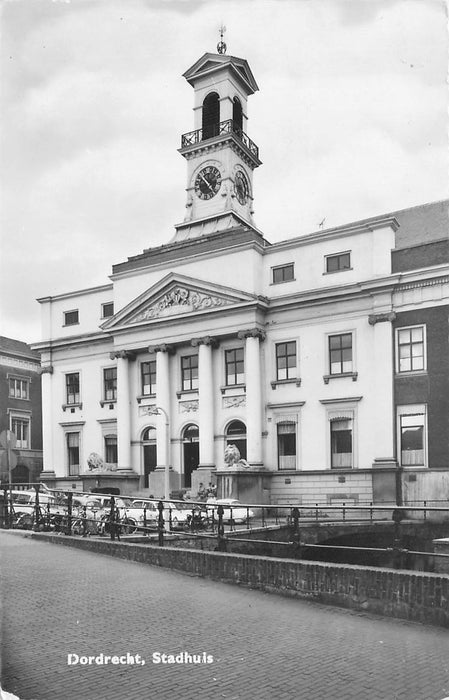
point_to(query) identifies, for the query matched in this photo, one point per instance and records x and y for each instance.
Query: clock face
(241, 187)
(207, 182)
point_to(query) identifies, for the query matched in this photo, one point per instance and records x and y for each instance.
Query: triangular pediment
(177, 295)
(209, 63)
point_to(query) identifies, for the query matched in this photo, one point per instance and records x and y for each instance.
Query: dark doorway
(237, 116)
(191, 454)
(149, 454)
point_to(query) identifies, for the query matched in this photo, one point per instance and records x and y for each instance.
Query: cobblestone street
(59, 601)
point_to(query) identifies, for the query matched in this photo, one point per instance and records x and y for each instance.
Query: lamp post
(156, 411)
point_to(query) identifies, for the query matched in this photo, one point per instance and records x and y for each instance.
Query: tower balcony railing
(228, 126)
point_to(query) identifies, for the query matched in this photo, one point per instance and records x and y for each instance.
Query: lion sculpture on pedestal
(232, 458)
(96, 464)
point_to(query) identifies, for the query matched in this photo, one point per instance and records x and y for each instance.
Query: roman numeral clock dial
(207, 182)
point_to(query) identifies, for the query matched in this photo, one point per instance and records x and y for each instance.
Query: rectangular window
(286, 437)
(410, 349)
(235, 366)
(148, 377)
(110, 383)
(72, 383)
(283, 273)
(71, 318)
(341, 443)
(21, 429)
(412, 439)
(340, 353)
(73, 453)
(340, 261)
(110, 449)
(19, 388)
(286, 360)
(189, 372)
(107, 309)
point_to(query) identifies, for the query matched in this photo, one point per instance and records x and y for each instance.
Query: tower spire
(221, 46)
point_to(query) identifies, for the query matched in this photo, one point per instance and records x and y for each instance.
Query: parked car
(174, 511)
(232, 509)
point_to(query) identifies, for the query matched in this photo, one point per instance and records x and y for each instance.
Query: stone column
(253, 395)
(123, 409)
(206, 400)
(47, 421)
(163, 402)
(383, 374)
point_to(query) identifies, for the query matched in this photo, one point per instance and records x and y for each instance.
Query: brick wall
(431, 388)
(417, 596)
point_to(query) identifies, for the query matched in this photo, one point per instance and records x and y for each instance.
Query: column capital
(122, 355)
(381, 318)
(205, 340)
(252, 333)
(48, 369)
(163, 347)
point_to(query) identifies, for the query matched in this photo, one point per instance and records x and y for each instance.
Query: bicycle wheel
(128, 526)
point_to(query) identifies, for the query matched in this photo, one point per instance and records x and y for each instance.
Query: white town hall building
(218, 337)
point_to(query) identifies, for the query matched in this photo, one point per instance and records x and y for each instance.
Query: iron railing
(228, 126)
(222, 523)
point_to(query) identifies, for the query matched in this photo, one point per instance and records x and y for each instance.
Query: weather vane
(221, 46)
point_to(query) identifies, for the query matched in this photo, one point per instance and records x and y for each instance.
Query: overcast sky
(351, 121)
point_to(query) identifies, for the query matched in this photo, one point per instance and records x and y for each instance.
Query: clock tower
(220, 156)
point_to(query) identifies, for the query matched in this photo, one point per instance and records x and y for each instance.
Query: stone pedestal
(157, 482)
(247, 485)
(126, 482)
(203, 475)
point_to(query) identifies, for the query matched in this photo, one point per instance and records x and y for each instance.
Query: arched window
(236, 435)
(211, 115)
(237, 116)
(149, 434)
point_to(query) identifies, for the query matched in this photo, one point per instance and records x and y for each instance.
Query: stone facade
(286, 350)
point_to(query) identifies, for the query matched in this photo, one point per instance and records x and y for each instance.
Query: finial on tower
(221, 46)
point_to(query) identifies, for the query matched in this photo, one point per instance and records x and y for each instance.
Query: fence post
(296, 535)
(48, 516)
(84, 517)
(397, 551)
(36, 509)
(7, 509)
(221, 546)
(69, 513)
(145, 519)
(160, 523)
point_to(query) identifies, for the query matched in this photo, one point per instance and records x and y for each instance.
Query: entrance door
(149, 454)
(191, 454)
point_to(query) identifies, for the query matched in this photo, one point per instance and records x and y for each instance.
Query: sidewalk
(59, 601)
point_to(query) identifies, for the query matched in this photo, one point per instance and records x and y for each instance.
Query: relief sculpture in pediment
(176, 298)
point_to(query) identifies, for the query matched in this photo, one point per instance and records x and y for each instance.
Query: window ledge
(353, 376)
(145, 396)
(277, 382)
(19, 398)
(110, 402)
(227, 387)
(183, 392)
(412, 373)
(65, 406)
(333, 272)
(274, 284)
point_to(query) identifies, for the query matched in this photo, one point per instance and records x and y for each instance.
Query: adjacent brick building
(21, 408)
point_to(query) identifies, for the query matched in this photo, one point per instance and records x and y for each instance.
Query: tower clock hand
(206, 181)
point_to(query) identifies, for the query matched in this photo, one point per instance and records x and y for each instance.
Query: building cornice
(358, 227)
(77, 340)
(77, 293)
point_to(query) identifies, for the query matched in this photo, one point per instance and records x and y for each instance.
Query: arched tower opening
(211, 115)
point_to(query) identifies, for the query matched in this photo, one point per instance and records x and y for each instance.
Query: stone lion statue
(233, 459)
(96, 464)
